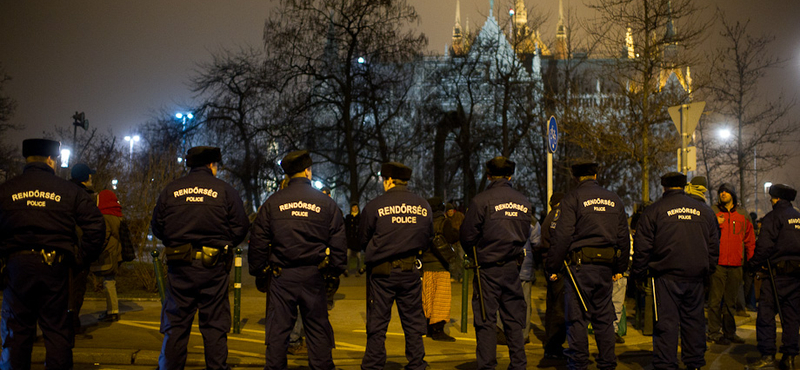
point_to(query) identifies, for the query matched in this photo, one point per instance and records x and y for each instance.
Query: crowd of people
(53, 233)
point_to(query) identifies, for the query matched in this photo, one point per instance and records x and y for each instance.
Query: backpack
(440, 248)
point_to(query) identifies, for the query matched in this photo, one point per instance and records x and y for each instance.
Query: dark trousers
(502, 291)
(680, 308)
(303, 288)
(555, 327)
(405, 288)
(722, 293)
(595, 284)
(36, 292)
(194, 288)
(789, 300)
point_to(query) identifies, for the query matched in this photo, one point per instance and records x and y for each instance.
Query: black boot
(439, 334)
(766, 362)
(787, 362)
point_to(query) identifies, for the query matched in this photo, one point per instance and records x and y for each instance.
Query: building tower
(561, 50)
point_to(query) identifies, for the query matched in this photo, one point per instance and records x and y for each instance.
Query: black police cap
(782, 191)
(296, 161)
(395, 170)
(202, 155)
(41, 147)
(500, 166)
(673, 180)
(81, 172)
(584, 169)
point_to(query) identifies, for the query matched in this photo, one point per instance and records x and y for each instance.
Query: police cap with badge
(41, 147)
(202, 155)
(296, 161)
(673, 180)
(395, 170)
(782, 191)
(500, 166)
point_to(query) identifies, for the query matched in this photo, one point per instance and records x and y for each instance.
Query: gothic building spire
(561, 34)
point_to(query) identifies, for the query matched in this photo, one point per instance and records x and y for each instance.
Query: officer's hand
(616, 277)
(553, 277)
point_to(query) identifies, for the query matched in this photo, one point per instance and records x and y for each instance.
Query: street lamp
(132, 139)
(65, 158)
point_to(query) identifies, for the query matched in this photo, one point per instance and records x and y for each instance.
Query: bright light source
(725, 133)
(180, 159)
(511, 12)
(189, 115)
(318, 184)
(361, 60)
(767, 185)
(114, 183)
(65, 158)
(178, 115)
(136, 138)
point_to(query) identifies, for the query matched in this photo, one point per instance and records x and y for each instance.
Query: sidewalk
(135, 339)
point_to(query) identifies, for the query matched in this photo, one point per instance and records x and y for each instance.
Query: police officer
(591, 234)
(298, 236)
(778, 247)
(554, 328)
(396, 228)
(39, 213)
(677, 245)
(496, 227)
(200, 219)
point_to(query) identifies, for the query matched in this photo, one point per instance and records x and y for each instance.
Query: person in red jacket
(736, 241)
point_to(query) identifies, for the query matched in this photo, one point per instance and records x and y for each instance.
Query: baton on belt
(655, 301)
(577, 289)
(478, 277)
(774, 291)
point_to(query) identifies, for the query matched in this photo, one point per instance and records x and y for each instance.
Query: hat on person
(202, 155)
(41, 147)
(296, 161)
(449, 206)
(584, 169)
(699, 181)
(500, 166)
(556, 198)
(673, 180)
(395, 170)
(436, 203)
(728, 188)
(81, 172)
(782, 191)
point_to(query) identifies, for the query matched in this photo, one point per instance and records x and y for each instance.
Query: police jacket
(589, 216)
(737, 237)
(297, 226)
(39, 210)
(676, 236)
(394, 225)
(497, 224)
(779, 239)
(199, 209)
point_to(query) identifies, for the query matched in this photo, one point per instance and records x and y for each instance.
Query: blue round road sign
(552, 134)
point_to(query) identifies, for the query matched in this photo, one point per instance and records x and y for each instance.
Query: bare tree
(10, 160)
(761, 124)
(654, 78)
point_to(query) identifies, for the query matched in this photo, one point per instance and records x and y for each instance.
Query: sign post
(552, 141)
(686, 117)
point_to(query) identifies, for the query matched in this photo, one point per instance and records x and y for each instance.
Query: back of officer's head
(673, 180)
(39, 150)
(201, 156)
(782, 191)
(397, 172)
(500, 167)
(295, 163)
(584, 170)
(436, 203)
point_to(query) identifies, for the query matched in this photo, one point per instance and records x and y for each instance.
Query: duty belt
(48, 256)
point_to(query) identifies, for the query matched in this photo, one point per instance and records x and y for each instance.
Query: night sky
(123, 61)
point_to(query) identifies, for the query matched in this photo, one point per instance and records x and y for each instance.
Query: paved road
(134, 342)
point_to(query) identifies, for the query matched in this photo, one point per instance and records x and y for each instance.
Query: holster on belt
(593, 256)
(211, 255)
(179, 253)
(385, 268)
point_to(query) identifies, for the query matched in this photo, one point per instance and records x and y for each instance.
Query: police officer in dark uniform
(298, 237)
(396, 228)
(677, 245)
(39, 213)
(554, 327)
(200, 219)
(496, 227)
(592, 235)
(778, 247)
